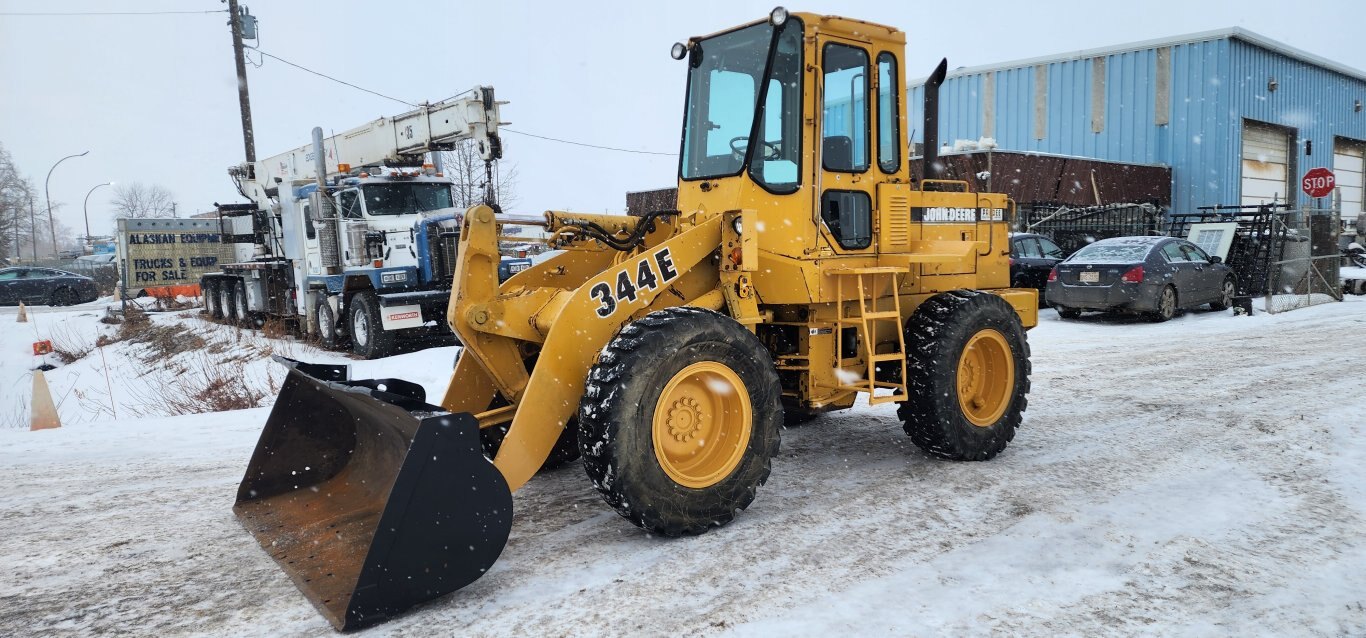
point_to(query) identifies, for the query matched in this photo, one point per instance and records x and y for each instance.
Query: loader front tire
(679, 420)
(968, 363)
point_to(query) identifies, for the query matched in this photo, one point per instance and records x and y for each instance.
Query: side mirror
(1215, 259)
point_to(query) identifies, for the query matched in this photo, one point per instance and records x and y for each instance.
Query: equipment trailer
(353, 237)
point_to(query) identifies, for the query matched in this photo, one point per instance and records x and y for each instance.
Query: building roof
(1204, 36)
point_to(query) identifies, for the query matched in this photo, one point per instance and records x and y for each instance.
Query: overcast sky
(153, 98)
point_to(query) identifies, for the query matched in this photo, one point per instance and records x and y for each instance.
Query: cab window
(776, 163)
(349, 204)
(888, 124)
(844, 118)
(849, 216)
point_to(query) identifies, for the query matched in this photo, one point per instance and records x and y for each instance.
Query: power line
(107, 13)
(387, 97)
(605, 148)
(324, 75)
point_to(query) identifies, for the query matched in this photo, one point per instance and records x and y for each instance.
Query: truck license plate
(1090, 277)
(518, 267)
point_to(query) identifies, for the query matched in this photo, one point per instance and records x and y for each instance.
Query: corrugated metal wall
(1213, 85)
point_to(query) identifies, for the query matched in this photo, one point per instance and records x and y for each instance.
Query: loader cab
(800, 117)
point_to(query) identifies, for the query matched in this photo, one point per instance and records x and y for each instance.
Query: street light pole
(86, 208)
(46, 194)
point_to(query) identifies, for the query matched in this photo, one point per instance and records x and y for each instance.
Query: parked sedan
(1032, 257)
(1156, 276)
(45, 286)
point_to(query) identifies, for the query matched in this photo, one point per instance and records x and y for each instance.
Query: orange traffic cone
(23, 313)
(44, 411)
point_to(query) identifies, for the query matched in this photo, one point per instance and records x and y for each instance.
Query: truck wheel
(680, 419)
(369, 339)
(968, 363)
(327, 325)
(208, 289)
(225, 299)
(243, 314)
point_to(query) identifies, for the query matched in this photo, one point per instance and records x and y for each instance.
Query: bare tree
(464, 166)
(16, 191)
(139, 200)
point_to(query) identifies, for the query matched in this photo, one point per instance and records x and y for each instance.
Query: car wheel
(62, 297)
(1166, 305)
(1068, 313)
(1226, 292)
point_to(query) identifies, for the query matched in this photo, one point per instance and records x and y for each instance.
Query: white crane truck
(352, 238)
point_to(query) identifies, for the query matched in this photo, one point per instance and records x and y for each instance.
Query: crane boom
(398, 140)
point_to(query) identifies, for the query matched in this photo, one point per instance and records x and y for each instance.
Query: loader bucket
(369, 498)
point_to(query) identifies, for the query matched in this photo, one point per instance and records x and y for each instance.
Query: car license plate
(1090, 277)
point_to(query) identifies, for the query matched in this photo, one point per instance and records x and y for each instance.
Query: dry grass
(68, 344)
(202, 383)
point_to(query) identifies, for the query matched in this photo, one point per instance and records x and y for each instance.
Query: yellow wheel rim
(986, 377)
(702, 424)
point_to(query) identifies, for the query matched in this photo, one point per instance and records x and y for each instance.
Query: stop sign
(1318, 182)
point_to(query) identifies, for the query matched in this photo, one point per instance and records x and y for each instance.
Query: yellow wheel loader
(803, 269)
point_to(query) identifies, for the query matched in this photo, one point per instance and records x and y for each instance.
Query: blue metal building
(1237, 116)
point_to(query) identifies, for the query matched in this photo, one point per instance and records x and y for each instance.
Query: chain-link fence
(1307, 272)
(1303, 282)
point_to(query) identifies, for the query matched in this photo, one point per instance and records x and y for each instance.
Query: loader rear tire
(968, 363)
(679, 420)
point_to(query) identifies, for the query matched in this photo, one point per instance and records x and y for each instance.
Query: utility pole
(248, 139)
(32, 228)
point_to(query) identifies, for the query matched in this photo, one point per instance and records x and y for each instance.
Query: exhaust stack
(931, 154)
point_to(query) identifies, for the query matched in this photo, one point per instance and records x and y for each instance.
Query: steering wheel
(739, 145)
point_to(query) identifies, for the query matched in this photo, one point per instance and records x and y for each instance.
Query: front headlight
(738, 225)
(679, 51)
(777, 17)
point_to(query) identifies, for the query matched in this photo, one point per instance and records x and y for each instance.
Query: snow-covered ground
(1199, 477)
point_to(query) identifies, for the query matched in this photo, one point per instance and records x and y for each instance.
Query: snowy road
(1199, 477)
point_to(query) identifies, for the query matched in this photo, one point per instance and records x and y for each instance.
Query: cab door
(846, 184)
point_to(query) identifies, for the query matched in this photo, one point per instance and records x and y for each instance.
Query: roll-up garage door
(1266, 164)
(1349, 167)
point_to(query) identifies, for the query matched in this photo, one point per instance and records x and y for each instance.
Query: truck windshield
(405, 199)
(723, 90)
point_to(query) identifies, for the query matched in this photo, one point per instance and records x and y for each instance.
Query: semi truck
(352, 238)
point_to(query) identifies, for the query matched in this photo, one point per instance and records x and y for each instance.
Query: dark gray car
(45, 286)
(1155, 276)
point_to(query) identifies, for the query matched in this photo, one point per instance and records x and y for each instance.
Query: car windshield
(1101, 253)
(405, 199)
